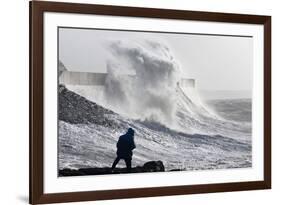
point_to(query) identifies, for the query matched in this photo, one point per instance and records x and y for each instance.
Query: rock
(76, 109)
(151, 166)
(154, 166)
(175, 170)
(70, 172)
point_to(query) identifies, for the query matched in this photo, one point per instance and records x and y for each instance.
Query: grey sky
(216, 62)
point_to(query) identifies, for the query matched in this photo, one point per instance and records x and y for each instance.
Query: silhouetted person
(125, 146)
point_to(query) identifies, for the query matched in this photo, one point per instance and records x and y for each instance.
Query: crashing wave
(152, 91)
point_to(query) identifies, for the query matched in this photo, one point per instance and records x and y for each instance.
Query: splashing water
(149, 91)
(149, 99)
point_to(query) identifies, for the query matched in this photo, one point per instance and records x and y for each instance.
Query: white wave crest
(150, 91)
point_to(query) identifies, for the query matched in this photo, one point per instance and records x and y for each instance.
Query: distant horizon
(225, 94)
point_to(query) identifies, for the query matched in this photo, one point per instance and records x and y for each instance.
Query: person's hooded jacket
(126, 144)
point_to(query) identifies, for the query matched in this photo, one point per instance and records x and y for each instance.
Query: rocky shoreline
(151, 166)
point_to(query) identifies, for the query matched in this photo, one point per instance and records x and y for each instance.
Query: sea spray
(150, 92)
(142, 83)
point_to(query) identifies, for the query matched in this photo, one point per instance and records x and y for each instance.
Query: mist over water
(150, 91)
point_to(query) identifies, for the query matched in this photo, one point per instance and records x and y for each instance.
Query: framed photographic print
(138, 102)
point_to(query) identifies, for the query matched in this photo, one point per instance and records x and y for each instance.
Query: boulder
(154, 166)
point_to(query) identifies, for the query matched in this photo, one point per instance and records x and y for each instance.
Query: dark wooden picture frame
(37, 9)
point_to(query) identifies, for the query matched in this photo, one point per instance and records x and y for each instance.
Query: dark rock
(76, 109)
(70, 172)
(152, 166)
(175, 170)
